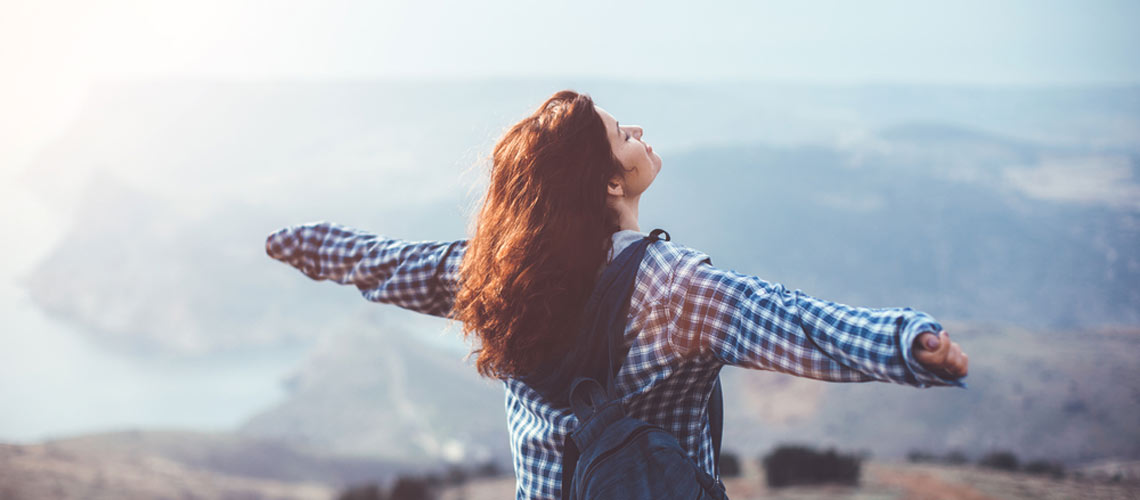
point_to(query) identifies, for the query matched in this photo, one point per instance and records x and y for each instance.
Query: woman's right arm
(421, 276)
(745, 321)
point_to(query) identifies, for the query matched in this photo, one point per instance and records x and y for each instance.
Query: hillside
(177, 464)
(374, 388)
(1066, 395)
(144, 465)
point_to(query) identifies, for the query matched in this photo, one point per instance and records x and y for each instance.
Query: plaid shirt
(687, 319)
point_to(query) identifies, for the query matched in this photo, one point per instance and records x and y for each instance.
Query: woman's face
(640, 162)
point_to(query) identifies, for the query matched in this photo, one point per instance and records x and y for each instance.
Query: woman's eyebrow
(617, 125)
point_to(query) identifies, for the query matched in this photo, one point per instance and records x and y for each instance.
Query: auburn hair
(540, 238)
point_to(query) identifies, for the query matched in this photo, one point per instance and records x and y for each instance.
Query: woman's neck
(627, 213)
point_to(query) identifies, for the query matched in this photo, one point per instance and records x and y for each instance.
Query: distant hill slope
(1063, 396)
(145, 276)
(374, 388)
(177, 464)
(942, 230)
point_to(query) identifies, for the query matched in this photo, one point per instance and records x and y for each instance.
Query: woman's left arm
(745, 321)
(421, 276)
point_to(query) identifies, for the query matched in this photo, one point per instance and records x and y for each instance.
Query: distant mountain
(900, 224)
(373, 388)
(146, 276)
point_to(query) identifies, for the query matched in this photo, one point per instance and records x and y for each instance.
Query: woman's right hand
(939, 355)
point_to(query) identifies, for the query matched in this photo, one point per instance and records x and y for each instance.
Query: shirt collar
(623, 239)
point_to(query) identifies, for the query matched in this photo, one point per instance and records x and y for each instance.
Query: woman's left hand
(940, 355)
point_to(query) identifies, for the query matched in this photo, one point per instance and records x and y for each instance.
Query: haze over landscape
(138, 299)
(957, 217)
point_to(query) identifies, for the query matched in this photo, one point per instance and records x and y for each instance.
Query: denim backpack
(610, 455)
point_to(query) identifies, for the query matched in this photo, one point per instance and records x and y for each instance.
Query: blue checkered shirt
(687, 319)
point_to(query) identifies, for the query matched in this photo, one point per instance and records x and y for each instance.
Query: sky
(52, 51)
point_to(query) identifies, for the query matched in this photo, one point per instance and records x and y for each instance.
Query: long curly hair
(540, 239)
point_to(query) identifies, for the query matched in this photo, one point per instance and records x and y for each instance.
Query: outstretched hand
(938, 354)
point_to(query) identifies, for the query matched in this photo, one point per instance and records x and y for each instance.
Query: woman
(565, 183)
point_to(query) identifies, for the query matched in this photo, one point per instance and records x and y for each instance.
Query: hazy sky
(52, 50)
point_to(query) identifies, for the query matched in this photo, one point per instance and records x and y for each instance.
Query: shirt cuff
(281, 244)
(923, 377)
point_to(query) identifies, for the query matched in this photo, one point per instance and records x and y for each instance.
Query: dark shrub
(789, 465)
(411, 488)
(1001, 460)
(955, 457)
(434, 480)
(362, 492)
(487, 469)
(455, 475)
(1045, 468)
(1075, 406)
(729, 465)
(917, 456)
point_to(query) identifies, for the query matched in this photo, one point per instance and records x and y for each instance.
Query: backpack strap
(716, 421)
(570, 456)
(606, 312)
(598, 351)
(586, 396)
(608, 307)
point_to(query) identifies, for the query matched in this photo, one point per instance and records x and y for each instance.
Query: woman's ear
(614, 187)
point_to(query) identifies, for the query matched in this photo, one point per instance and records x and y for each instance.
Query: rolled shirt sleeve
(745, 321)
(421, 276)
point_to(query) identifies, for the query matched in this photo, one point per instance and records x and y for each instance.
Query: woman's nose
(637, 131)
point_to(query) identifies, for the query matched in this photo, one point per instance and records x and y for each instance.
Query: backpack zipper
(597, 461)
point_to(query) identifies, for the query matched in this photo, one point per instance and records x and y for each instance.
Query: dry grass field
(75, 470)
(893, 481)
(46, 472)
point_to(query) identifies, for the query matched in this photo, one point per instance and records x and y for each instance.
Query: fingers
(926, 341)
(948, 359)
(957, 363)
(932, 356)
